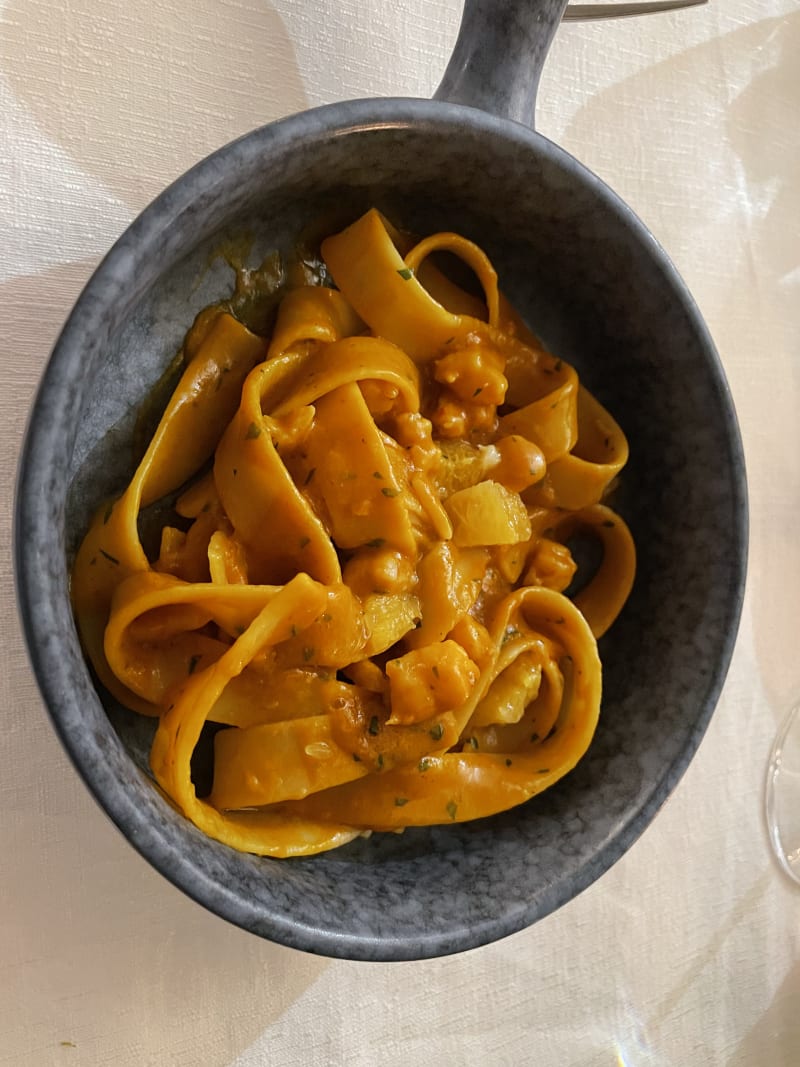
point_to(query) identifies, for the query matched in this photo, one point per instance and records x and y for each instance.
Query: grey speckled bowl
(591, 279)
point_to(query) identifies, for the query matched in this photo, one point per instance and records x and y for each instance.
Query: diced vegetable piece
(488, 514)
(510, 693)
(388, 618)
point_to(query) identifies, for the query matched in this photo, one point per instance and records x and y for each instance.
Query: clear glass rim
(788, 860)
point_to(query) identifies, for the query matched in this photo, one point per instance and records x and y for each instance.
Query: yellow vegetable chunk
(388, 618)
(488, 514)
(429, 680)
(510, 693)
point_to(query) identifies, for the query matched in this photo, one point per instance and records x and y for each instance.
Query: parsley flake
(452, 808)
(406, 274)
(253, 432)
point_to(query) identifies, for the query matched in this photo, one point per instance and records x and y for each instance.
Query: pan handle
(499, 55)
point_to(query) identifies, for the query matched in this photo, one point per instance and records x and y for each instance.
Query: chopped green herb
(308, 654)
(509, 635)
(379, 761)
(400, 801)
(473, 742)
(534, 736)
(310, 475)
(452, 808)
(417, 623)
(437, 732)
(543, 770)
(326, 616)
(109, 557)
(388, 491)
(294, 630)
(424, 764)
(253, 431)
(377, 474)
(238, 630)
(374, 726)
(304, 541)
(435, 670)
(107, 515)
(406, 274)
(478, 390)
(508, 763)
(449, 340)
(193, 663)
(235, 472)
(376, 542)
(356, 757)
(550, 734)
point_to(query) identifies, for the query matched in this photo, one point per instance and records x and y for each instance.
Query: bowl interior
(590, 280)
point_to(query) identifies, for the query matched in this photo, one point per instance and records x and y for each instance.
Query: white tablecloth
(688, 951)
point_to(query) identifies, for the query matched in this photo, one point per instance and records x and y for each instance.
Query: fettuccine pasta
(363, 580)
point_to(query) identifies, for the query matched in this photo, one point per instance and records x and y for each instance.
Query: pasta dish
(362, 580)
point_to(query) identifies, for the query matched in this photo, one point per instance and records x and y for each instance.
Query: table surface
(688, 950)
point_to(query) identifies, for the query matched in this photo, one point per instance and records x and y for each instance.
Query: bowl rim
(35, 535)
